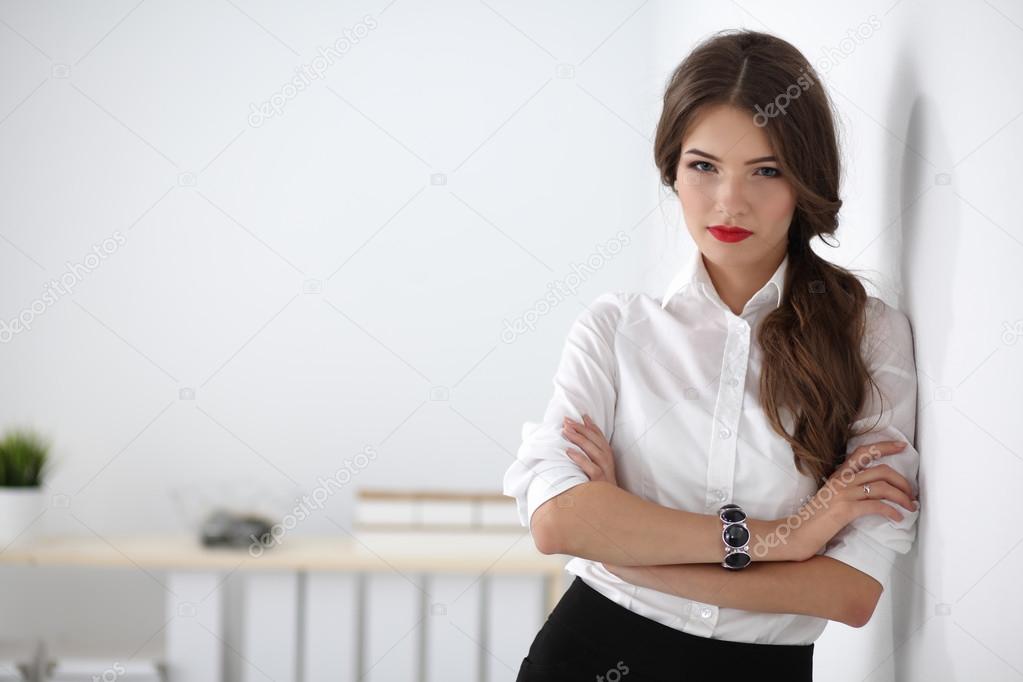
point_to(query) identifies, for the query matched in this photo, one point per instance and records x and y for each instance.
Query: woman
(730, 466)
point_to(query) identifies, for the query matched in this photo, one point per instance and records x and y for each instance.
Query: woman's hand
(844, 498)
(596, 459)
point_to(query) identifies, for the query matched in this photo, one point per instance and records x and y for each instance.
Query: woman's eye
(774, 172)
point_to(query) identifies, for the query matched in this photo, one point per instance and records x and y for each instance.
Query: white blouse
(674, 386)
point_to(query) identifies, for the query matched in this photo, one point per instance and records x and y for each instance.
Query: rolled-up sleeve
(585, 382)
(870, 543)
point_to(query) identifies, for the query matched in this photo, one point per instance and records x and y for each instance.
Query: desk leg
(195, 631)
(273, 626)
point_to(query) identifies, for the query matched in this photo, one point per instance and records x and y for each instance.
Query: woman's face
(727, 190)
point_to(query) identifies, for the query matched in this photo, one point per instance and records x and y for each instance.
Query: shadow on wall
(912, 259)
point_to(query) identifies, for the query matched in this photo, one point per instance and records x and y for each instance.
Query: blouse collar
(694, 276)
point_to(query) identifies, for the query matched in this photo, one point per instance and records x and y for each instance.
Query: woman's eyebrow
(760, 159)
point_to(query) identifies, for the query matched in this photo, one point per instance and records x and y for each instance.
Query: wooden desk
(280, 576)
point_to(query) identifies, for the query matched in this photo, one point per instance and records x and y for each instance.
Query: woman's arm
(599, 521)
(820, 586)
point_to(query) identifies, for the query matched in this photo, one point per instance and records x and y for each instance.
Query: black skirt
(589, 637)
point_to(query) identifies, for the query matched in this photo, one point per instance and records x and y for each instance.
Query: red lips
(729, 233)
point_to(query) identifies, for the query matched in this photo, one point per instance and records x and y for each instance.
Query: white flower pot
(19, 512)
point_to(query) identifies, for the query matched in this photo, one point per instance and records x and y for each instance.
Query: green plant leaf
(23, 458)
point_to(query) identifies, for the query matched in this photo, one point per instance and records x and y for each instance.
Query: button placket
(727, 410)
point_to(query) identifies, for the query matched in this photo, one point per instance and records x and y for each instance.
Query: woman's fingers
(595, 449)
(589, 450)
(882, 490)
(582, 437)
(879, 507)
(593, 425)
(592, 445)
(883, 472)
(590, 432)
(594, 472)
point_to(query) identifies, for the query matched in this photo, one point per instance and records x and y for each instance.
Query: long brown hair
(812, 342)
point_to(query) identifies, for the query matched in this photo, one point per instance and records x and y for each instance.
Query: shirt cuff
(551, 483)
(863, 553)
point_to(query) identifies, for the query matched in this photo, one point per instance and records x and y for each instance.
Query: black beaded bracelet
(736, 536)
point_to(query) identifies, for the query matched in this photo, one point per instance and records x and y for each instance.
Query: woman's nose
(731, 200)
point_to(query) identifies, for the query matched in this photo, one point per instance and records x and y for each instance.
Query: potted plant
(23, 458)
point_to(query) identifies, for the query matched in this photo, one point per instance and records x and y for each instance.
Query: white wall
(931, 119)
(134, 119)
(303, 278)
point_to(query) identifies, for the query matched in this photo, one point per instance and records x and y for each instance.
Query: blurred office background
(296, 239)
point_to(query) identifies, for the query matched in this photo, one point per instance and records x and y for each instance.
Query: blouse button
(705, 612)
(724, 433)
(733, 382)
